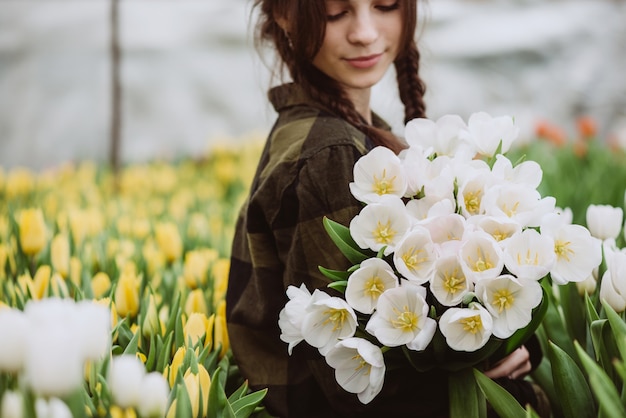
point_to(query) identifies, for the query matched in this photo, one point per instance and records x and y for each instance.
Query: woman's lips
(364, 62)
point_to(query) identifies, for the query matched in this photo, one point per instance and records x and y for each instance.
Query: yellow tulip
(41, 281)
(221, 333)
(169, 240)
(127, 294)
(60, 254)
(100, 284)
(195, 328)
(19, 182)
(153, 256)
(196, 266)
(151, 323)
(196, 383)
(220, 271)
(32, 231)
(117, 412)
(196, 302)
(177, 361)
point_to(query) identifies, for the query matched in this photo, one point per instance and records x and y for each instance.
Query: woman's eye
(334, 17)
(389, 8)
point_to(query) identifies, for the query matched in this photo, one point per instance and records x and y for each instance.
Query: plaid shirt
(303, 175)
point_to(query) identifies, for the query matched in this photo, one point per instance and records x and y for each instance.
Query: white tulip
(291, 316)
(12, 405)
(480, 256)
(604, 221)
(613, 284)
(415, 256)
(359, 367)
(529, 254)
(587, 286)
(380, 172)
(466, 329)
(14, 331)
(510, 301)
(402, 318)
(153, 395)
(449, 283)
(126, 373)
(94, 323)
(327, 320)
(577, 252)
(368, 282)
(500, 228)
(54, 363)
(429, 207)
(520, 203)
(526, 173)
(52, 408)
(471, 194)
(381, 224)
(443, 135)
(416, 163)
(486, 133)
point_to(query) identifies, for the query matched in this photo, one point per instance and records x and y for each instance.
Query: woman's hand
(515, 365)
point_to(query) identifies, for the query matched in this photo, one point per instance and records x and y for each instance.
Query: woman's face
(361, 41)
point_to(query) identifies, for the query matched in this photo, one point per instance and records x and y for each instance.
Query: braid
(410, 85)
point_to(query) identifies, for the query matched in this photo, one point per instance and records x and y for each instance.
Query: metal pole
(116, 89)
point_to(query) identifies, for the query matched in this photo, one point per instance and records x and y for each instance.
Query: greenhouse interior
(137, 139)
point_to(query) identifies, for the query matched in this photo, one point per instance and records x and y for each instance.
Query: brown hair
(298, 49)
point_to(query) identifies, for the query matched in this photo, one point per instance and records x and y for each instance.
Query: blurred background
(190, 77)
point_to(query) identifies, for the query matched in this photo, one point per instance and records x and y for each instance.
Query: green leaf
(344, 242)
(183, 402)
(340, 286)
(133, 345)
(574, 310)
(604, 345)
(602, 386)
(618, 327)
(502, 401)
(240, 392)
(554, 326)
(570, 384)
(466, 400)
(592, 313)
(335, 275)
(244, 406)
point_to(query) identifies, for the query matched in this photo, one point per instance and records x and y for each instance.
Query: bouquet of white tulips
(450, 253)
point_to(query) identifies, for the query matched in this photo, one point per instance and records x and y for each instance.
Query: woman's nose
(363, 29)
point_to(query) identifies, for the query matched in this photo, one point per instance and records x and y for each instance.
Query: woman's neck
(361, 100)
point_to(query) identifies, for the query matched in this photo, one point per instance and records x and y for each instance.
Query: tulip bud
(196, 383)
(100, 284)
(177, 361)
(60, 254)
(221, 333)
(169, 240)
(195, 328)
(12, 405)
(220, 279)
(76, 269)
(52, 408)
(153, 397)
(587, 286)
(41, 281)
(604, 221)
(32, 231)
(151, 323)
(125, 376)
(196, 266)
(19, 182)
(14, 328)
(127, 294)
(196, 302)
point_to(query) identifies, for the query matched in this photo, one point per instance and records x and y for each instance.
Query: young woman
(334, 52)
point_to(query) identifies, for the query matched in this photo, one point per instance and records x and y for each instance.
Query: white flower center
(503, 299)
(472, 201)
(482, 261)
(452, 283)
(510, 212)
(406, 320)
(361, 363)
(374, 287)
(412, 259)
(383, 185)
(336, 316)
(528, 259)
(473, 324)
(563, 250)
(383, 233)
